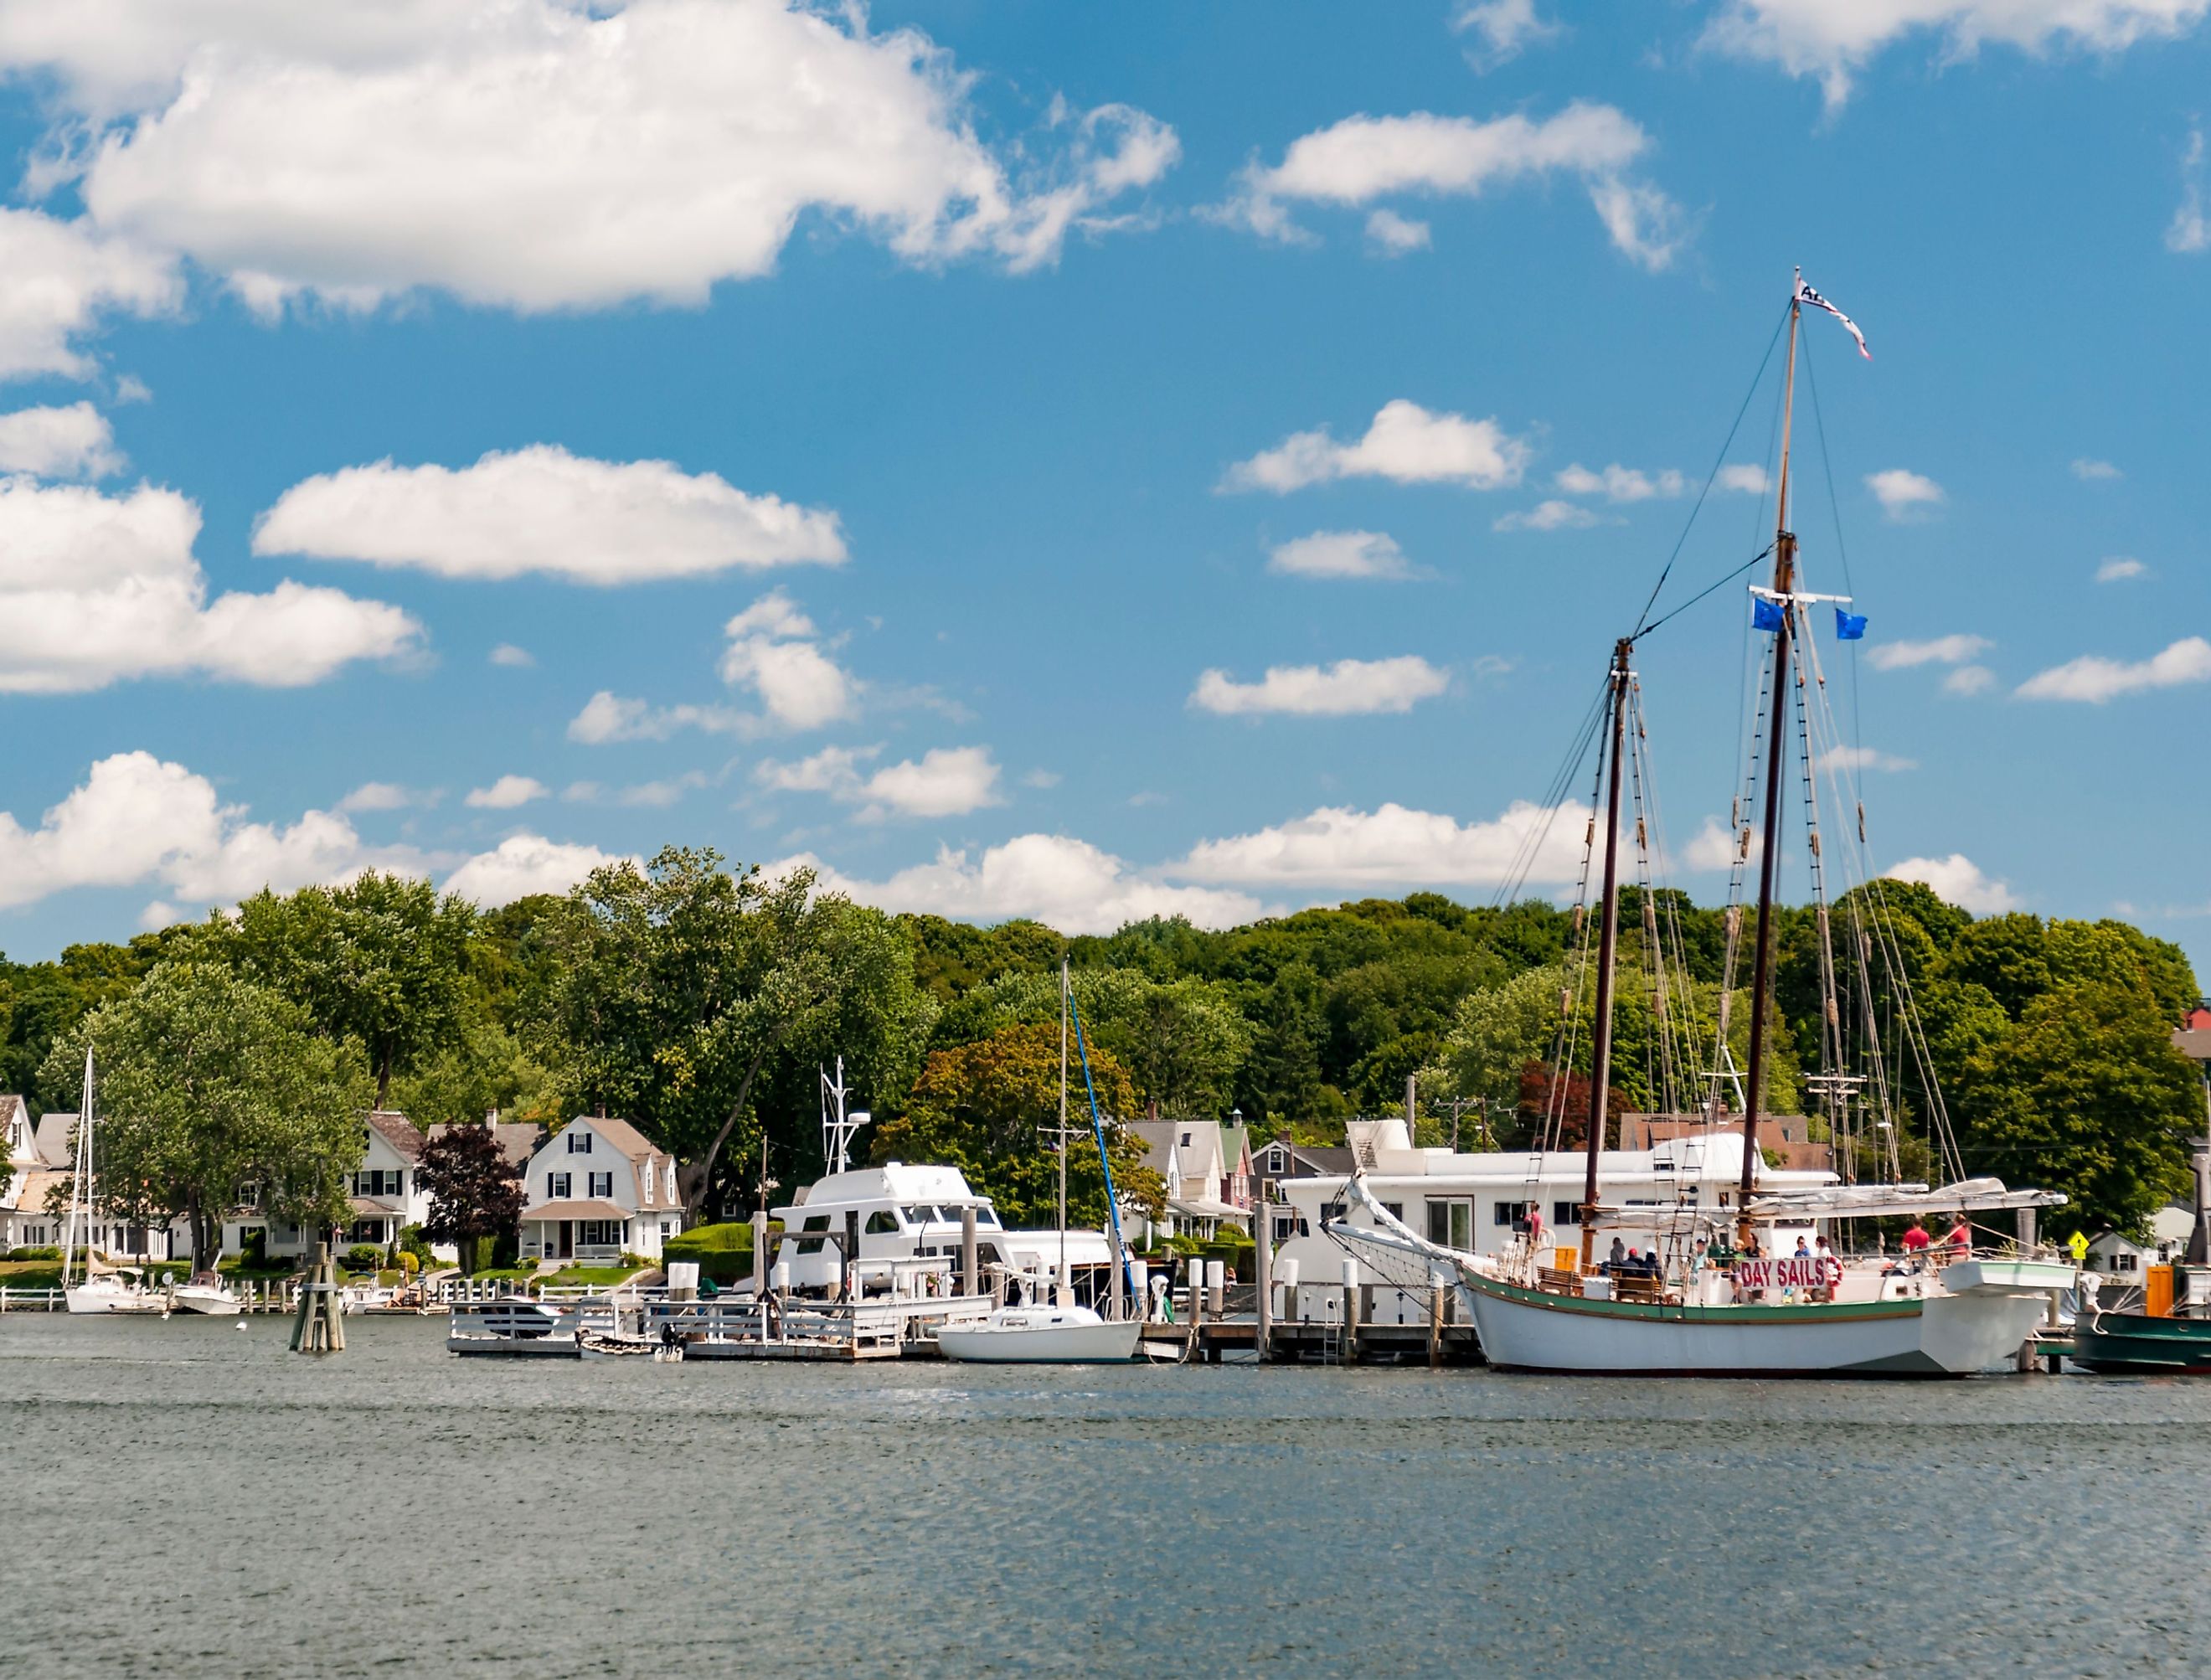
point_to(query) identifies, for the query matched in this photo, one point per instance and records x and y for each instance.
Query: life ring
(1833, 1272)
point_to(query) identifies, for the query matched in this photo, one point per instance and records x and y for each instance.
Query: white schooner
(1722, 1291)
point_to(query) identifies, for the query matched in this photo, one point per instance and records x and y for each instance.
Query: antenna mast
(837, 1126)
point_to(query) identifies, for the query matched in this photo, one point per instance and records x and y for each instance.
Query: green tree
(1182, 1040)
(984, 1107)
(382, 960)
(474, 1192)
(686, 990)
(2085, 1094)
(207, 1083)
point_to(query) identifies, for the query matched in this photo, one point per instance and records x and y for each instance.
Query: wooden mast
(1776, 752)
(1607, 937)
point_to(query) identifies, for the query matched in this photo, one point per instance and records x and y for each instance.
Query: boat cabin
(906, 1213)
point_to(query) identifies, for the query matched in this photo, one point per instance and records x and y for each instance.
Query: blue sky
(894, 419)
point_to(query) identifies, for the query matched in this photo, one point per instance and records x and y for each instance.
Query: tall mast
(1777, 751)
(1607, 937)
(1064, 1281)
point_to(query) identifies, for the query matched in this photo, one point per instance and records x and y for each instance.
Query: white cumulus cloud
(1833, 39)
(608, 717)
(945, 781)
(2090, 471)
(541, 155)
(1405, 444)
(138, 819)
(2095, 680)
(1394, 235)
(775, 651)
(1953, 650)
(95, 589)
(1348, 687)
(1552, 515)
(1356, 162)
(514, 659)
(542, 510)
(58, 279)
(524, 864)
(1903, 495)
(1864, 758)
(2120, 567)
(1960, 881)
(1394, 846)
(1504, 28)
(72, 442)
(1066, 883)
(1746, 477)
(385, 797)
(1340, 554)
(1619, 484)
(1969, 680)
(506, 793)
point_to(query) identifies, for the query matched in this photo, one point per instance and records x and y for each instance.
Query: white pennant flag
(1806, 294)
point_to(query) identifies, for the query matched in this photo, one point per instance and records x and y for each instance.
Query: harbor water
(186, 1499)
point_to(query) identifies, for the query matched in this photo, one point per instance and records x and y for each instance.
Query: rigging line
(1842, 551)
(1712, 477)
(1522, 864)
(1701, 593)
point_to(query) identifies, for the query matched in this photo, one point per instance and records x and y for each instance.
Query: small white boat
(1041, 1336)
(112, 1292)
(205, 1294)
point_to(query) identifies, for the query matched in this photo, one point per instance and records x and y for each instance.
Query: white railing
(33, 1301)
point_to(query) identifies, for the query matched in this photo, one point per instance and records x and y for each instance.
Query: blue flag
(1766, 615)
(1849, 626)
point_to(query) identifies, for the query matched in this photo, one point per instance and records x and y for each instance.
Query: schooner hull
(1943, 1336)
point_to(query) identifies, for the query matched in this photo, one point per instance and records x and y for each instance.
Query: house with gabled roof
(596, 1189)
(43, 1153)
(1207, 1186)
(383, 1192)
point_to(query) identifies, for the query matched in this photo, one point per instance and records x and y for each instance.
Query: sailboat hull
(1941, 1336)
(1100, 1343)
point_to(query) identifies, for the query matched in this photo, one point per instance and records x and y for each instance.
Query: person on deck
(1803, 1249)
(1618, 1256)
(1960, 1240)
(1916, 1240)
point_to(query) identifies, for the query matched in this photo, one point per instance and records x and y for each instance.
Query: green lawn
(596, 1278)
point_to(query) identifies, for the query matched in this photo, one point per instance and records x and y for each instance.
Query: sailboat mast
(1607, 938)
(1065, 1282)
(1777, 750)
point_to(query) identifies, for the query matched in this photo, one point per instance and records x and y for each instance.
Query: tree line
(698, 1000)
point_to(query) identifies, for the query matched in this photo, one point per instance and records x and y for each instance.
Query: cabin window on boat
(1566, 1213)
(986, 1216)
(1451, 1222)
(1395, 1211)
(815, 1222)
(1509, 1213)
(883, 1222)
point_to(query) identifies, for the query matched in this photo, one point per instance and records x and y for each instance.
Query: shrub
(412, 1241)
(32, 1252)
(723, 1253)
(363, 1257)
(253, 1251)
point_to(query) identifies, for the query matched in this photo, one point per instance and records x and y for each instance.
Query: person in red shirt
(1959, 1242)
(1916, 1241)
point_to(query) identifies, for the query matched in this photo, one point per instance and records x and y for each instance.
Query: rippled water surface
(188, 1498)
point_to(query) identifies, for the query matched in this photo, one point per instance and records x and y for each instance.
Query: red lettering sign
(1792, 1271)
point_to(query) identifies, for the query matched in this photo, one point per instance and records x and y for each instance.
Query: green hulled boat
(2136, 1344)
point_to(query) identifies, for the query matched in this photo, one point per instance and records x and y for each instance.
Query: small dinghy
(665, 1349)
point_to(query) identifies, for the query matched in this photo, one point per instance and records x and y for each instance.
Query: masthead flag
(1806, 294)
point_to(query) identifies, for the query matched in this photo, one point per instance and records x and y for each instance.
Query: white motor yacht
(206, 1294)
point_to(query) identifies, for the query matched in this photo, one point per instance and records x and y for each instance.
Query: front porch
(587, 1232)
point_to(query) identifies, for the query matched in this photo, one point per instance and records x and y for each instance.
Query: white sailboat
(1062, 1332)
(107, 1291)
(1718, 1303)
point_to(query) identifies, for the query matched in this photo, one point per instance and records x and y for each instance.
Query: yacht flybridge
(1729, 1279)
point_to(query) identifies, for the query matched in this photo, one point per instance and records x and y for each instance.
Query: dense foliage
(700, 1000)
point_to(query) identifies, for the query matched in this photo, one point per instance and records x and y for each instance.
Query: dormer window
(1185, 1140)
(579, 1141)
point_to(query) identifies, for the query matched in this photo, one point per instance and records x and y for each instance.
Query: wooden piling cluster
(319, 1326)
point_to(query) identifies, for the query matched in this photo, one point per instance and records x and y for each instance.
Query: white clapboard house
(596, 1190)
